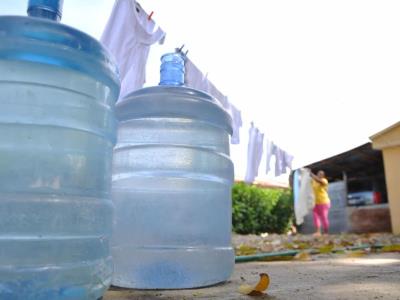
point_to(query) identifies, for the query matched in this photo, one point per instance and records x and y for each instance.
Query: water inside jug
(172, 179)
(58, 87)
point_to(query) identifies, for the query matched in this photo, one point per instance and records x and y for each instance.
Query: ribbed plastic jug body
(57, 129)
(172, 179)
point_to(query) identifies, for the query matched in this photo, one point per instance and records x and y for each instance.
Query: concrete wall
(372, 218)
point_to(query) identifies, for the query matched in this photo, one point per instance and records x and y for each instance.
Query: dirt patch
(250, 244)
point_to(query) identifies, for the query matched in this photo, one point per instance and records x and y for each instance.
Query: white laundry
(222, 99)
(283, 160)
(305, 200)
(128, 35)
(193, 76)
(259, 151)
(236, 123)
(270, 146)
(296, 186)
(250, 173)
(205, 84)
(287, 161)
(254, 153)
(195, 79)
(278, 161)
(235, 114)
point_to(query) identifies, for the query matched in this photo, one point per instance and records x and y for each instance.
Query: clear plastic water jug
(172, 179)
(57, 128)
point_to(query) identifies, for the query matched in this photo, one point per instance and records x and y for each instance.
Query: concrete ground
(373, 276)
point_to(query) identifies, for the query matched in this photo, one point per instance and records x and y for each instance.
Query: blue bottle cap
(172, 70)
(48, 9)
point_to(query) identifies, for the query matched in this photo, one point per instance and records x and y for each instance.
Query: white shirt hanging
(283, 161)
(236, 123)
(254, 153)
(269, 153)
(195, 79)
(304, 202)
(128, 35)
(193, 76)
(259, 151)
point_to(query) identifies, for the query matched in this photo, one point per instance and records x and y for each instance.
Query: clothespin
(138, 7)
(150, 15)
(179, 50)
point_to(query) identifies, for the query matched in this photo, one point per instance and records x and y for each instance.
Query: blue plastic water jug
(172, 179)
(57, 127)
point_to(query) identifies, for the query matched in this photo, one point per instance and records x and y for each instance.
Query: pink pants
(320, 213)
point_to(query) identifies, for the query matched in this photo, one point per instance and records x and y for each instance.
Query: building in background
(357, 189)
(388, 141)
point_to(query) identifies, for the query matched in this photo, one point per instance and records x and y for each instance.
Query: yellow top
(321, 191)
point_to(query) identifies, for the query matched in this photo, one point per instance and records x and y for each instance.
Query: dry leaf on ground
(246, 250)
(356, 253)
(326, 249)
(302, 256)
(391, 248)
(257, 290)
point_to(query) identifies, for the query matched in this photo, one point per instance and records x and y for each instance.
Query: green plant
(257, 210)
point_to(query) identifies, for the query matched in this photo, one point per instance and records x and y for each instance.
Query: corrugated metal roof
(362, 161)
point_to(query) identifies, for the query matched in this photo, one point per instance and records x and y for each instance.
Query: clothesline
(194, 78)
(129, 34)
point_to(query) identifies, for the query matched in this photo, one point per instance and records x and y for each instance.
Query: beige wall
(388, 141)
(387, 138)
(391, 157)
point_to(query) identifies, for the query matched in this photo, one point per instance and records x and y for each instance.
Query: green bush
(257, 210)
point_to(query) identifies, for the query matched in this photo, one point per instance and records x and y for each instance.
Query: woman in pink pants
(322, 202)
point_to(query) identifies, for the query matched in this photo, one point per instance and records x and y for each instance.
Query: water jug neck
(48, 9)
(172, 70)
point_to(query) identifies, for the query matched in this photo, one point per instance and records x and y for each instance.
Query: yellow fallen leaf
(302, 256)
(356, 253)
(263, 284)
(245, 250)
(303, 246)
(246, 289)
(391, 248)
(257, 290)
(326, 249)
(290, 246)
(345, 243)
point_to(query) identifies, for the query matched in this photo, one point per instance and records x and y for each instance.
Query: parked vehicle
(364, 198)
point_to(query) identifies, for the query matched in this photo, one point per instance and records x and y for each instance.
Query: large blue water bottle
(57, 129)
(172, 179)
